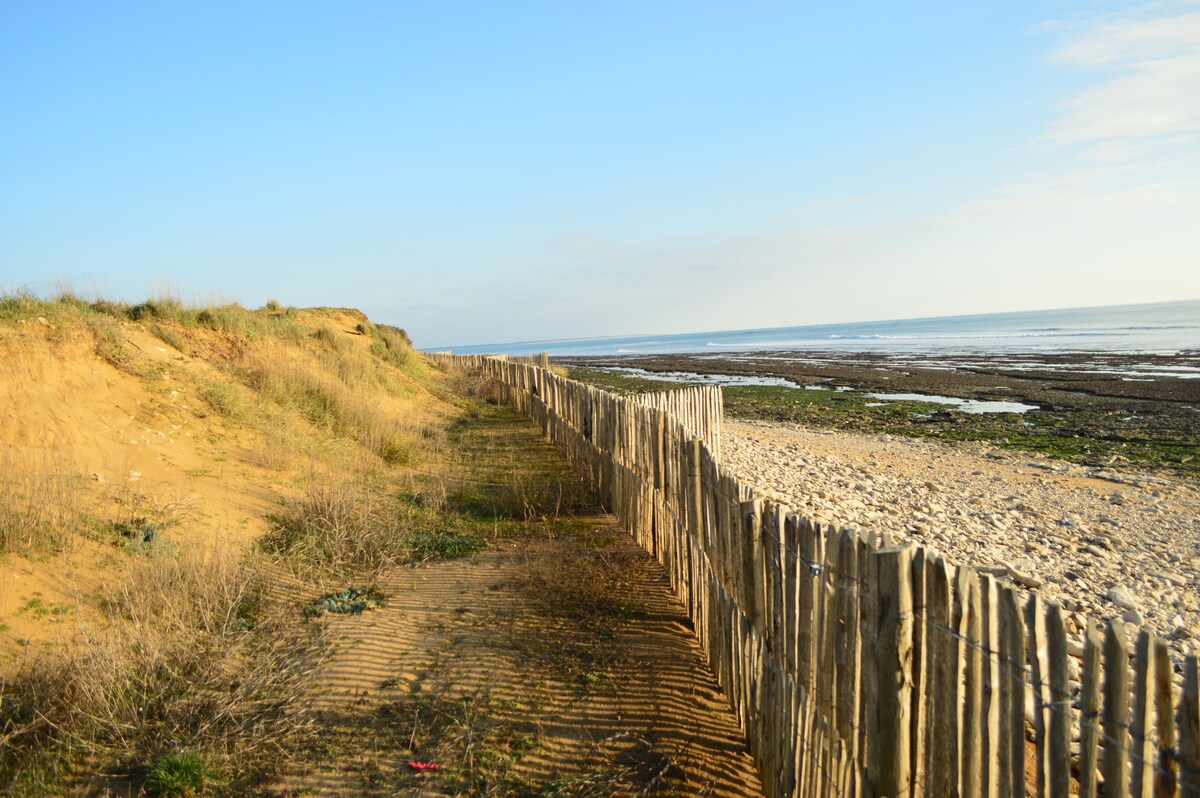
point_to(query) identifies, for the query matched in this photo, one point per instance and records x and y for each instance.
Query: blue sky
(483, 172)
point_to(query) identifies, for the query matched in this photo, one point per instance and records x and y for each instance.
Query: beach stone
(1122, 597)
(1025, 579)
(1173, 578)
(1133, 616)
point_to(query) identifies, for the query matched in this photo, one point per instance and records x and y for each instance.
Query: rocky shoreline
(1103, 543)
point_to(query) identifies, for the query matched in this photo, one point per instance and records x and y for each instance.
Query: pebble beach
(1102, 542)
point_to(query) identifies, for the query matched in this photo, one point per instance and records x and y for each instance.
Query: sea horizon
(1158, 327)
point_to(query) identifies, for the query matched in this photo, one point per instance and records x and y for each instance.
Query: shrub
(108, 307)
(231, 319)
(163, 309)
(338, 526)
(21, 302)
(170, 337)
(228, 399)
(109, 341)
(391, 344)
(177, 665)
(180, 775)
(444, 544)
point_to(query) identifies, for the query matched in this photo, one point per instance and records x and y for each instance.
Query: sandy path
(556, 661)
(462, 634)
(1101, 542)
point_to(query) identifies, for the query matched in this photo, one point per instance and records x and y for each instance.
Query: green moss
(1097, 437)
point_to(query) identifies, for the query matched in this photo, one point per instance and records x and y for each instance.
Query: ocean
(1159, 328)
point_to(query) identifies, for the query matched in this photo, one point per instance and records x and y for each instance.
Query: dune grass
(182, 677)
(191, 655)
(41, 503)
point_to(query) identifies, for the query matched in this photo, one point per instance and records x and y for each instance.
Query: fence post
(753, 561)
(1060, 698)
(1143, 718)
(890, 765)
(1116, 711)
(695, 488)
(1189, 731)
(1089, 714)
(1166, 776)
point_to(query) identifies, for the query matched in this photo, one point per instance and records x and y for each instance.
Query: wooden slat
(791, 593)
(1035, 622)
(752, 561)
(972, 679)
(1142, 781)
(1189, 731)
(867, 617)
(890, 751)
(920, 670)
(1089, 714)
(847, 669)
(1166, 777)
(806, 607)
(827, 627)
(941, 732)
(1115, 722)
(1059, 744)
(1012, 694)
(990, 611)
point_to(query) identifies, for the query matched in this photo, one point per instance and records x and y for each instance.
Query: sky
(486, 172)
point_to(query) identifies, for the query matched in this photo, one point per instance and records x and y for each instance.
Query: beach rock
(1173, 578)
(1122, 597)
(1025, 579)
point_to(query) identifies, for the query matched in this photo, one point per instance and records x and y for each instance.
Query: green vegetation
(339, 526)
(180, 775)
(1097, 437)
(618, 382)
(348, 601)
(1090, 436)
(443, 544)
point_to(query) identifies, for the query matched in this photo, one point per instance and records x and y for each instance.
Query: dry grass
(187, 667)
(327, 402)
(190, 656)
(41, 504)
(320, 372)
(475, 384)
(340, 525)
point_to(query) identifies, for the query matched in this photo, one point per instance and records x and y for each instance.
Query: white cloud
(1152, 89)
(1105, 44)
(1070, 196)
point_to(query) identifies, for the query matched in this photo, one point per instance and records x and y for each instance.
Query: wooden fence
(449, 359)
(858, 668)
(699, 408)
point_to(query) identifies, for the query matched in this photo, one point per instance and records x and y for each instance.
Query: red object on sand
(423, 766)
